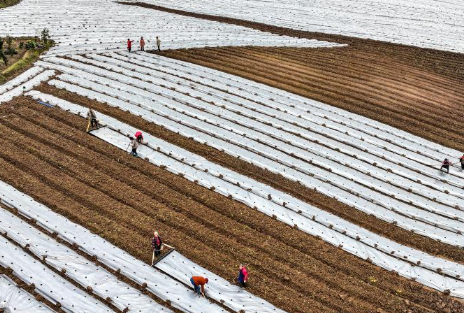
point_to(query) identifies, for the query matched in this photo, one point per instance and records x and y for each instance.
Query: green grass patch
(21, 65)
(7, 3)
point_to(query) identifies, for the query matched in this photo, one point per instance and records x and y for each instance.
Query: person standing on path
(242, 276)
(129, 45)
(156, 244)
(199, 283)
(446, 164)
(461, 159)
(142, 44)
(158, 43)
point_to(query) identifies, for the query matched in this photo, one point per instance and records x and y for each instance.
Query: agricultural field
(310, 156)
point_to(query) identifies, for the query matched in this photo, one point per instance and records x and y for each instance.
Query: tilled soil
(277, 181)
(415, 89)
(46, 154)
(362, 80)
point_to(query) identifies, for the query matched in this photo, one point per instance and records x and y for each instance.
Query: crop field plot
(313, 159)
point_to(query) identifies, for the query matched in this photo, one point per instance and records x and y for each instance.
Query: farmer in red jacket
(445, 165)
(156, 244)
(142, 44)
(242, 276)
(461, 159)
(199, 283)
(129, 45)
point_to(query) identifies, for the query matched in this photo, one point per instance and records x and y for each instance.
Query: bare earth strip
(47, 154)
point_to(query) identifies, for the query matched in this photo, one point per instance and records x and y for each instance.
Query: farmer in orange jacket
(199, 282)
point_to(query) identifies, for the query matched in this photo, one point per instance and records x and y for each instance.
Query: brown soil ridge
(121, 199)
(275, 180)
(369, 83)
(442, 62)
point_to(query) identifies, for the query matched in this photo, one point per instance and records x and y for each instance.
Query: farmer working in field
(158, 43)
(92, 118)
(156, 244)
(142, 44)
(242, 276)
(198, 283)
(461, 159)
(129, 45)
(139, 136)
(445, 165)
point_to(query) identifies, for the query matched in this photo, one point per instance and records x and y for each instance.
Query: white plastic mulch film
(159, 284)
(23, 83)
(432, 270)
(424, 23)
(105, 25)
(232, 296)
(77, 267)
(17, 300)
(48, 284)
(359, 162)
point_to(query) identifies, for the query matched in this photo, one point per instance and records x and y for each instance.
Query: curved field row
(263, 140)
(277, 181)
(119, 198)
(391, 93)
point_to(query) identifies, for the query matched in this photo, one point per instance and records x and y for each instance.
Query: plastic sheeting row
(234, 297)
(419, 23)
(341, 188)
(105, 25)
(48, 284)
(14, 299)
(26, 86)
(159, 284)
(285, 208)
(376, 133)
(77, 268)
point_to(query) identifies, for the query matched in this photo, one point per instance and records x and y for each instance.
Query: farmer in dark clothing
(445, 165)
(198, 283)
(156, 244)
(242, 276)
(93, 118)
(129, 45)
(461, 159)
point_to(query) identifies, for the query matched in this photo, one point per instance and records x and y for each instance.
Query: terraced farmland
(313, 159)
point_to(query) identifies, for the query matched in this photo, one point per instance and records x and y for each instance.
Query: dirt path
(47, 154)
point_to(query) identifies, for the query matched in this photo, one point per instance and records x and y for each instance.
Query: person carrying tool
(199, 283)
(461, 159)
(156, 244)
(129, 45)
(445, 165)
(93, 122)
(142, 44)
(158, 43)
(242, 276)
